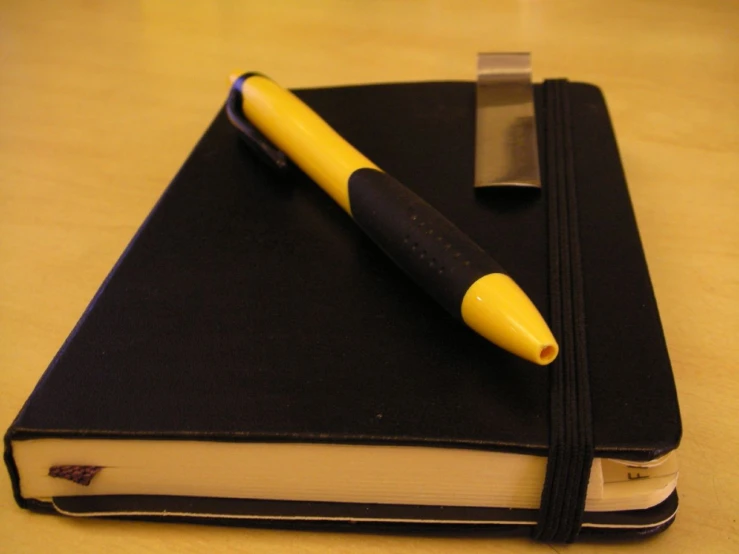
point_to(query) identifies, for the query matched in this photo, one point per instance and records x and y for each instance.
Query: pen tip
(500, 311)
(548, 354)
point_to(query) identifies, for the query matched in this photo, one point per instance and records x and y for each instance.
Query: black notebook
(254, 359)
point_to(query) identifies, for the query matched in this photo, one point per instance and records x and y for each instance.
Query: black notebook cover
(249, 307)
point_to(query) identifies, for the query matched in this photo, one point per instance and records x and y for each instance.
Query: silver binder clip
(506, 151)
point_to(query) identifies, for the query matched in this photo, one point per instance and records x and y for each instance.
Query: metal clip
(256, 141)
(506, 151)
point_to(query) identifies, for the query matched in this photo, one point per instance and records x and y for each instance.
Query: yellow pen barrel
(429, 248)
(303, 136)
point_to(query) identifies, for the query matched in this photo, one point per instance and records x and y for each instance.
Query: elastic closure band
(570, 433)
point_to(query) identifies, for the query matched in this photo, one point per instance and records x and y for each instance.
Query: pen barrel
(439, 257)
(299, 132)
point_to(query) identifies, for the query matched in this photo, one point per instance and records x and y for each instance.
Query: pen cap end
(496, 308)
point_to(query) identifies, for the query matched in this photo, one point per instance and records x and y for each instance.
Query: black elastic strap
(571, 435)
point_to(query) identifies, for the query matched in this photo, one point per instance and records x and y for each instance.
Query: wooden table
(101, 102)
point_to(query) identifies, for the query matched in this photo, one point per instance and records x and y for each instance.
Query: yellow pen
(439, 257)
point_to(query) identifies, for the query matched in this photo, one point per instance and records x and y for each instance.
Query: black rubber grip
(427, 246)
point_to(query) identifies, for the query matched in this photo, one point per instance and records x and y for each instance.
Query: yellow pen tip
(500, 311)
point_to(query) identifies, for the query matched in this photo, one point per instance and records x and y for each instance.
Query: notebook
(254, 359)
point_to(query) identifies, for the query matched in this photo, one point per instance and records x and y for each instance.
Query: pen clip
(255, 140)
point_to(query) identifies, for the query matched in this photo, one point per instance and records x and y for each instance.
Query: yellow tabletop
(100, 103)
